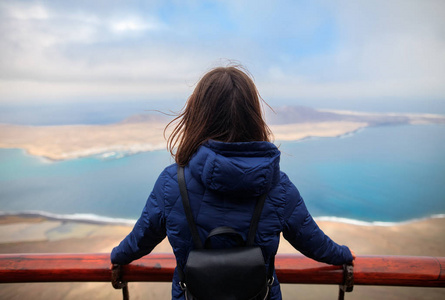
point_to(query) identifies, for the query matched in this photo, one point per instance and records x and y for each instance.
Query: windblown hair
(225, 106)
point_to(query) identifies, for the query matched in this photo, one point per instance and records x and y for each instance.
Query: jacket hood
(245, 169)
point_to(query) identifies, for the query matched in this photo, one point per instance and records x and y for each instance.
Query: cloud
(394, 38)
(154, 49)
(131, 25)
(383, 49)
(26, 12)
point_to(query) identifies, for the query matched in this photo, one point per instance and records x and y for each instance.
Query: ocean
(378, 175)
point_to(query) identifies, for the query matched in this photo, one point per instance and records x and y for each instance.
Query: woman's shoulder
(166, 176)
(285, 182)
(170, 171)
(284, 191)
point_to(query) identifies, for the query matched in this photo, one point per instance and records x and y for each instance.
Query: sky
(65, 52)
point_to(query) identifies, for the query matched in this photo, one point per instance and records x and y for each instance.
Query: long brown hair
(224, 106)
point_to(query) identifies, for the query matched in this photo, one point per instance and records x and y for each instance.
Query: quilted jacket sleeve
(304, 234)
(148, 231)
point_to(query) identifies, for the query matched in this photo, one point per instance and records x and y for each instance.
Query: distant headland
(140, 133)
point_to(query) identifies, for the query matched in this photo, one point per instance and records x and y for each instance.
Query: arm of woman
(148, 231)
(304, 234)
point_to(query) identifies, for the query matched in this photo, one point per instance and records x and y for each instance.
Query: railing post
(118, 283)
(348, 281)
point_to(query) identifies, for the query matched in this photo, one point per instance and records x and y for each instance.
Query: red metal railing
(368, 270)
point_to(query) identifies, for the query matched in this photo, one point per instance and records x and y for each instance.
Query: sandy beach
(39, 235)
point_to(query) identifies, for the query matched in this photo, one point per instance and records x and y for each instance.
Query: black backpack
(237, 273)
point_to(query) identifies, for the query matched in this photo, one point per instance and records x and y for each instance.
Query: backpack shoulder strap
(252, 232)
(188, 211)
(255, 219)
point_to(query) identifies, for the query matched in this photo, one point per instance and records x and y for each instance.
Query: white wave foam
(112, 151)
(351, 133)
(88, 218)
(375, 223)
(92, 218)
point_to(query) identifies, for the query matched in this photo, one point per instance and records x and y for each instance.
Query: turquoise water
(387, 174)
(391, 174)
(114, 188)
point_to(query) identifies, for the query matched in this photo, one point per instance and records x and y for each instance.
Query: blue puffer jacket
(223, 180)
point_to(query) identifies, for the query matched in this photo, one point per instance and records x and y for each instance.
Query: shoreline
(93, 219)
(22, 231)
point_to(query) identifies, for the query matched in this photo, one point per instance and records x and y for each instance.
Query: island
(145, 132)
